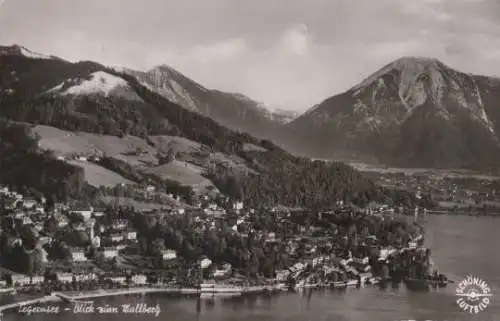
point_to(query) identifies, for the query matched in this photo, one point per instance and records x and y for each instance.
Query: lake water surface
(461, 246)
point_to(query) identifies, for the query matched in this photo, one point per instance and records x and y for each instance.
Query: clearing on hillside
(97, 175)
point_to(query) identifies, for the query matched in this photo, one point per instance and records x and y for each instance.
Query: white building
(169, 254)
(27, 220)
(119, 224)
(238, 206)
(110, 252)
(62, 222)
(117, 279)
(96, 241)
(20, 280)
(64, 277)
(139, 279)
(78, 255)
(37, 279)
(98, 214)
(116, 237)
(132, 235)
(29, 203)
(85, 277)
(282, 275)
(225, 271)
(86, 213)
(205, 263)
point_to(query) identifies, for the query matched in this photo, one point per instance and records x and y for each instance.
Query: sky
(288, 54)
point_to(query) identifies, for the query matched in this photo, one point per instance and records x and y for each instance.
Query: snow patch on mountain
(100, 82)
(173, 92)
(34, 55)
(22, 51)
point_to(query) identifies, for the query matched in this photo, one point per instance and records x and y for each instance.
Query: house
(85, 212)
(19, 215)
(62, 221)
(78, 254)
(181, 211)
(121, 279)
(4, 190)
(29, 203)
(119, 224)
(238, 206)
(96, 241)
(98, 213)
(169, 254)
(110, 252)
(139, 279)
(150, 188)
(224, 271)
(205, 263)
(282, 275)
(131, 235)
(116, 237)
(20, 280)
(84, 277)
(27, 220)
(37, 279)
(45, 239)
(64, 277)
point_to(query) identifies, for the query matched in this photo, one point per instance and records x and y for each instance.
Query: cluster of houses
(109, 238)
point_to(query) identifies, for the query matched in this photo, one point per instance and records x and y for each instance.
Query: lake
(461, 246)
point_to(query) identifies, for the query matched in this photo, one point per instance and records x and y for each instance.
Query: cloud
(219, 51)
(296, 40)
(288, 53)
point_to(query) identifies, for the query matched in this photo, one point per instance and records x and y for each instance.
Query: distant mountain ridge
(233, 110)
(413, 112)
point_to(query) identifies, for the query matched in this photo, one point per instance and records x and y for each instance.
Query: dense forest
(24, 167)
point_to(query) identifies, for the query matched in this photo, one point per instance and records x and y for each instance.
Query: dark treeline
(24, 167)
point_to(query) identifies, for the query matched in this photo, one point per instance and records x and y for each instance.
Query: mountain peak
(17, 50)
(407, 68)
(166, 69)
(421, 60)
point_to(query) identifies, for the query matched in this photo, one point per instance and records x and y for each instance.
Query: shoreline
(75, 297)
(207, 293)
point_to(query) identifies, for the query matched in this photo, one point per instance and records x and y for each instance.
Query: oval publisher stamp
(473, 294)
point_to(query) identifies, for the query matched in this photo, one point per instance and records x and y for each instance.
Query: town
(49, 247)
